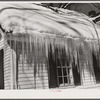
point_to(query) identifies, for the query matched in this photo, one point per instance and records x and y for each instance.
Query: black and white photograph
(49, 46)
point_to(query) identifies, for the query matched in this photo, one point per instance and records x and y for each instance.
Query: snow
(37, 18)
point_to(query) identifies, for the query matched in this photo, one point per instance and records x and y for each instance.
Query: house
(41, 49)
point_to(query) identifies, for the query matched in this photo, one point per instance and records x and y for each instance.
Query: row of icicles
(37, 49)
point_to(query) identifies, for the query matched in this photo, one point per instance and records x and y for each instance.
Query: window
(64, 73)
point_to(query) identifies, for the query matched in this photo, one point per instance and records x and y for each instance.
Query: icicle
(46, 46)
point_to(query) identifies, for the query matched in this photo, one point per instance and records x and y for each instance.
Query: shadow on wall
(1, 70)
(96, 67)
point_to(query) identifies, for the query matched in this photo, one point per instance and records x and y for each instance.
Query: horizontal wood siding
(1, 43)
(7, 67)
(27, 79)
(87, 78)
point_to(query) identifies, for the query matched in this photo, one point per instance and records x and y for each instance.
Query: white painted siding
(26, 79)
(7, 67)
(87, 78)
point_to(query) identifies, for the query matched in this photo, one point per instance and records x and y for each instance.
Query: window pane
(64, 72)
(68, 70)
(59, 72)
(60, 80)
(65, 80)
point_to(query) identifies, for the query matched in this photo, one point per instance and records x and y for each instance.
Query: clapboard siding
(26, 78)
(86, 77)
(1, 43)
(7, 67)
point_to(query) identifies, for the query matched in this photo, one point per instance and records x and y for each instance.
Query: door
(1, 70)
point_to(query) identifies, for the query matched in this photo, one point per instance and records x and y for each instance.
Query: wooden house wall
(26, 78)
(1, 43)
(7, 66)
(87, 77)
(25, 74)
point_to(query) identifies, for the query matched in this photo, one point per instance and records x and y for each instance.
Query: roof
(34, 19)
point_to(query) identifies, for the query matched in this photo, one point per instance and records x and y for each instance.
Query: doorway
(1, 69)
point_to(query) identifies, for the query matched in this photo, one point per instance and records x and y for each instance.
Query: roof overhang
(31, 19)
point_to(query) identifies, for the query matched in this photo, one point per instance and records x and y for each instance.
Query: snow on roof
(22, 17)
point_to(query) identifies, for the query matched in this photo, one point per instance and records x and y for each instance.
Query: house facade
(47, 49)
